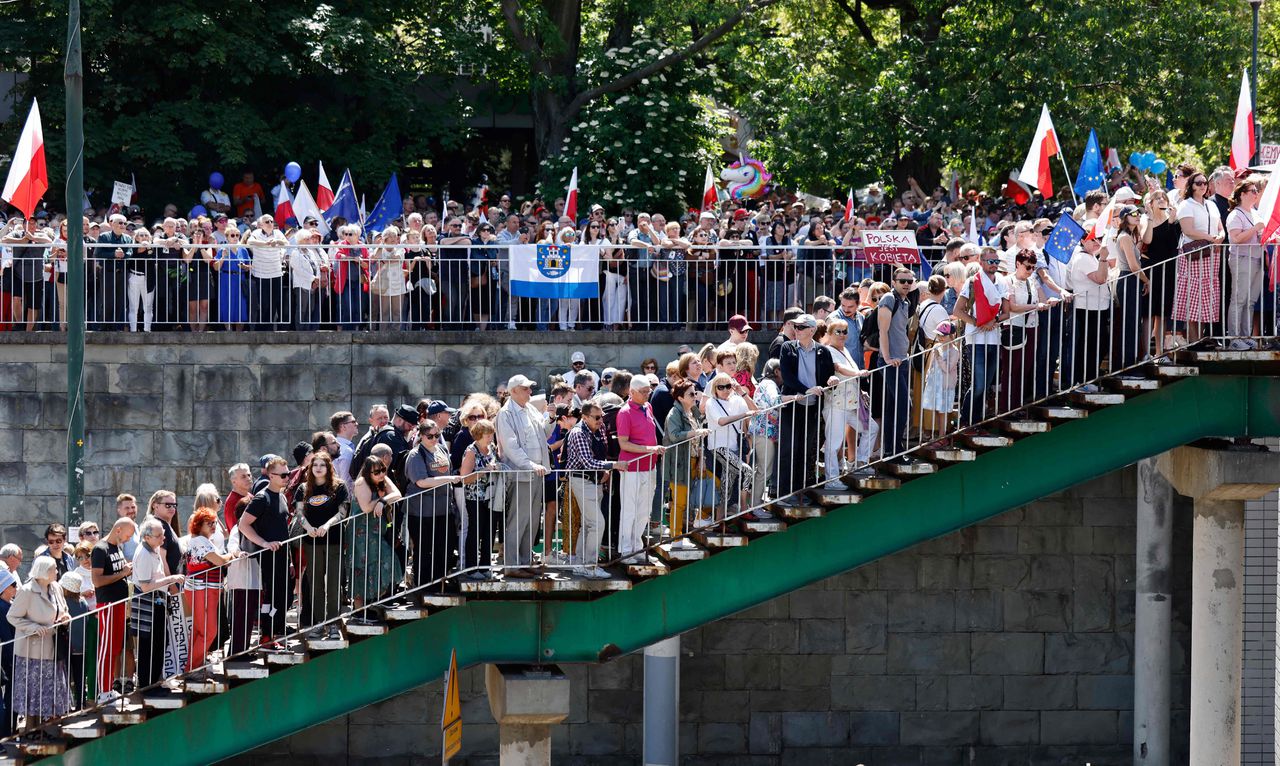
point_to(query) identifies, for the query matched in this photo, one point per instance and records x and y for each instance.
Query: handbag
(1197, 249)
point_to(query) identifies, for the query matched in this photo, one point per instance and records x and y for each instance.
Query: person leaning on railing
(1197, 298)
(40, 689)
(1245, 259)
(321, 503)
(374, 566)
(149, 608)
(29, 260)
(110, 568)
(265, 524)
(206, 567)
(585, 453)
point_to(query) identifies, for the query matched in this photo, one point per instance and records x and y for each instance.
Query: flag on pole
(1091, 175)
(324, 191)
(554, 271)
(954, 187)
(709, 195)
(1016, 190)
(284, 207)
(28, 175)
(344, 203)
(1063, 239)
(387, 208)
(305, 205)
(1106, 221)
(972, 236)
(1036, 170)
(1242, 139)
(571, 197)
(848, 206)
(364, 215)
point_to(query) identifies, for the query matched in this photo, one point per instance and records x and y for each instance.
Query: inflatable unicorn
(746, 178)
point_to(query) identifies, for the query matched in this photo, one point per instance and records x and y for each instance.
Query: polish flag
(1035, 170)
(28, 175)
(284, 206)
(324, 191)
(709, 196)
(1242, 139)
(571, 197)
(848, 206)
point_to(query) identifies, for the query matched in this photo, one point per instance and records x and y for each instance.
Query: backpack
(363, 450)
(918, 342)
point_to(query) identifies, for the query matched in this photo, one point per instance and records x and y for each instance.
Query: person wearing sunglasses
(893, 312)
(429, 505)
(1088, 276)
(1197, 292)
(265, 523)
(374, 565)
(982, 305)
(727, 441)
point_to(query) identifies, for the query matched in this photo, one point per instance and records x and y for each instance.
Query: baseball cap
(520, 380)
(640, 383)
(708, 214)
(267, 458)
(578, 356)
(437, 406)
(805, 320)
(739, 322)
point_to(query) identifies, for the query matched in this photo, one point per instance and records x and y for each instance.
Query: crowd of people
(603, 463)
(224, 269)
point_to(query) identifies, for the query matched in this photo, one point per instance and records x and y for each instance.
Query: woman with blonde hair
(389, 284)
(746, 355)
(725, 406)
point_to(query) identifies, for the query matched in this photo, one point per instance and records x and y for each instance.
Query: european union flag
(344, 203)
(1064, 238)
(387, 209)
(1090, 176)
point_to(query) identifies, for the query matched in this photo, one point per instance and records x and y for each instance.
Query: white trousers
(637, 501)
(568, 311)
(614, 299)
(138, 294)
(833, 439)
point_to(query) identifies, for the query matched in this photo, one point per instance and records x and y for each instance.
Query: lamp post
(1256, 5)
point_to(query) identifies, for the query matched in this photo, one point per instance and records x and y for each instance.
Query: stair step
(558, 581)
(652, 567)
(1131, 385)
(404, 613)
(717, 539)
(246, 669)
(129, 713)
(1227, 355)
(877, 483)
(164, 699)
(914, 468)
(83, 726)
(443, 600)
(294, 656)
(1099, 399)
(1175, 370)
(372, 628)
(327, 644)
(212, 685)
(1059, 412)
(1024, 426)
(754, 527)
(41, 748)
(677, 554)
(799, 511)
(985, 441)
(835, 497)
(949, 454)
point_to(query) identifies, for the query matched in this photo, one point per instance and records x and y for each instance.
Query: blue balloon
(1148, 159)
(198, 210)
(1135, 159)
(215, 180)
(292, 172)
(1159, 166)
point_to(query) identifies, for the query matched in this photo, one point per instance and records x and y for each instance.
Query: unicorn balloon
(746, 178)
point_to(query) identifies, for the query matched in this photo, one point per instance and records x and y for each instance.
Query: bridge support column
(526, 701)
(1219, 482)
(1151, 676)
(662, 703)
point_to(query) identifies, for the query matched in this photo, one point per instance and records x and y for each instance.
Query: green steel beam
(586, 631)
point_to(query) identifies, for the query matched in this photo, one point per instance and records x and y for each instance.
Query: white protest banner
(121, 193)
(890, 247)
(1269, 155)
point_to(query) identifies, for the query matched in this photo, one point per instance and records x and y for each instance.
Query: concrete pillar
(526, 701)
(1219, 482)
(1151, 672)
(662, 703)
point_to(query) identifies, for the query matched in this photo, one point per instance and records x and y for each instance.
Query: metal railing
(732, 453)
(366, 287)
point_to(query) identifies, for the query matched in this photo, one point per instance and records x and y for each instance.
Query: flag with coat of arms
(555, 271)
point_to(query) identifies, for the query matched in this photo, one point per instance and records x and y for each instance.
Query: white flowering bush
(645, 147)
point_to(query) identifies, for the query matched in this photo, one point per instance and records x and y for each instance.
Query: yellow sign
(451, 721)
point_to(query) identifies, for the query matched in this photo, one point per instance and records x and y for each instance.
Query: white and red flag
(1035, 170)
(324, 191)
(1242, 137)
(28, 174)
(709, 195)
(284, 206)
(848, 206)
(571, 198)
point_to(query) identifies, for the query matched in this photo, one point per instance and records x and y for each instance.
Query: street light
(1253, 83)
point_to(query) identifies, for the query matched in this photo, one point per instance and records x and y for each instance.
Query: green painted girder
(587, 631)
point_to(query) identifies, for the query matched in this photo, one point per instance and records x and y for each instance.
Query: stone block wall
(1010, 642)
(174, 410)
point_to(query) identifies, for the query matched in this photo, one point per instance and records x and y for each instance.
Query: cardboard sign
(1269, 154)
(890, 247)
(121, 193)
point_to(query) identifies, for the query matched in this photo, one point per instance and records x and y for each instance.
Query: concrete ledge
(380, 337)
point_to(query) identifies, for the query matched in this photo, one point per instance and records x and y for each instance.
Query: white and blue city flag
(555, 271)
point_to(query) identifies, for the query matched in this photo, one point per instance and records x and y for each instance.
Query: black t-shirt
(110, 559)
(270, 517)
(321, 507)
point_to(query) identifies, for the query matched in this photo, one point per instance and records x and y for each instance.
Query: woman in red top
(747, 354)
(350, 276)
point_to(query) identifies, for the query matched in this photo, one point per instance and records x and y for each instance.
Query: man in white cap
(578, 366)
(522, 443)
(639, 451)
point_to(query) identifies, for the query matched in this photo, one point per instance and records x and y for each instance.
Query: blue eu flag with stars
(1090, 176)
(1063, 239)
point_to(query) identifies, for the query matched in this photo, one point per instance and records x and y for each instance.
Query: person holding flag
(983, 303)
